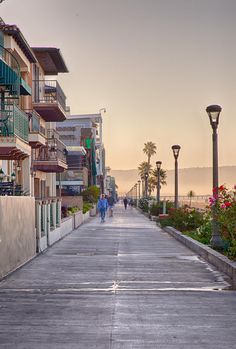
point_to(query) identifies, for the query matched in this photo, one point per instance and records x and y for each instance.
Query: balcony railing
(13, 122)
(35, 125)
(54, 150)
(48, 91)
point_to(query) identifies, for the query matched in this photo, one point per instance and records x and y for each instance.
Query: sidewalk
(121, 284)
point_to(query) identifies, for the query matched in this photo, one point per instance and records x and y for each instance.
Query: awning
(25, 89)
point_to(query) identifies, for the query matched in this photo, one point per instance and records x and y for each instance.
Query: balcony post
(47, 219)
(54, 213)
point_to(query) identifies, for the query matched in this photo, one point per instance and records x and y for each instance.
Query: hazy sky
(153, 64)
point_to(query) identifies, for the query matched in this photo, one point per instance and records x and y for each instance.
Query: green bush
(87, 206)
(183, 219)
(144, 204)
(72, 210)
(91, 194)
(157, 209)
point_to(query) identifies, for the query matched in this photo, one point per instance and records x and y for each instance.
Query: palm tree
(190, 194)
(153, 179)
(143, 168)
(163, 176)
(149, 149)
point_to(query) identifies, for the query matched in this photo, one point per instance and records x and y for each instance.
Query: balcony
(10, 77)
(49, 100)
(51, 157)
(14, 133)
(37, 132)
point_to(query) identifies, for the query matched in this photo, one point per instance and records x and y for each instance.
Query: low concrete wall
(220, 261)
(78, 219)
(93, 211)
(86, 216)
(17, 232)
(54, 235)
(67, 225)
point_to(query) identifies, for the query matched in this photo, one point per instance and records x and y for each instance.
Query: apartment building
(31, 152)
(83, 136)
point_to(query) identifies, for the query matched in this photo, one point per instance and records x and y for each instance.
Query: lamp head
(176, 149)
(13, 176)
(158, 164)
(213, 112)
(2, 174)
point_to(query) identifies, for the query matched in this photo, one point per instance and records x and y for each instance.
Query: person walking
(111, 202)
(102, 207)
(125, 202)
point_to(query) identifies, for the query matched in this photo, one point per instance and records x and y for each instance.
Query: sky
(155, 65)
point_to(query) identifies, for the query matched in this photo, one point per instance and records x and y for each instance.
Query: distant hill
(198, 179)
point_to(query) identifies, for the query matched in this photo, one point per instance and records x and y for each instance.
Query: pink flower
(223, 206)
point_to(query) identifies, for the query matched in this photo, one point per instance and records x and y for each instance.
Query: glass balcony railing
(13, 122)
(48, 91)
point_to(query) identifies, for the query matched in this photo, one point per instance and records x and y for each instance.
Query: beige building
(31, 152)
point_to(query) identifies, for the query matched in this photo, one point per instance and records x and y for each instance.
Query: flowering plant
(221, 198)
(224, 204)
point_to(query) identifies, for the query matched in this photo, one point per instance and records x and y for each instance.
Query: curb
(222, 263)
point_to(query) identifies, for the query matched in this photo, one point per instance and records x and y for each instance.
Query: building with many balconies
(31, 152)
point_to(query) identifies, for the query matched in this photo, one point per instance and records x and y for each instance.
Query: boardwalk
(121, 284)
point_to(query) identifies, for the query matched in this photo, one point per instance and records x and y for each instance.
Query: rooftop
(14, 31)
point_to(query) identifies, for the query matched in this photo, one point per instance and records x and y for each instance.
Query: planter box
(78, 219)
(163, 216)
(86, 216)
(220, 261)
(93, 212)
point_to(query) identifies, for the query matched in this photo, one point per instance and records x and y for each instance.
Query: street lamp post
(139, 182)
(158, 164)
(13, 178)
(213, 112)
(176, 149)
(146, 184)
(136, 193)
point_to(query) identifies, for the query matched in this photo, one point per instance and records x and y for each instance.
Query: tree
(143, 168)
(91, 194)
(149, 149)
(153, 179)
(190, 194)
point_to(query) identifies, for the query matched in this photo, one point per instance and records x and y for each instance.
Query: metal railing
(13, 122)
(54, 149)
(48, 91)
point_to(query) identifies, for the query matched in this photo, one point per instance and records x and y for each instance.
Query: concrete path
(121, 284)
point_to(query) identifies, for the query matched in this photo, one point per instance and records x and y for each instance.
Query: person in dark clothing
(111, 203)
(125, 202)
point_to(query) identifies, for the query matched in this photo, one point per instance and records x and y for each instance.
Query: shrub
(91, 194)
(144, 204)
(87, 206)
(183, 219)
(73, 209)
(64, 212)
(157, 209)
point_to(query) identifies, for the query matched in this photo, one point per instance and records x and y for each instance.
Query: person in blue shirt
(102, 207)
